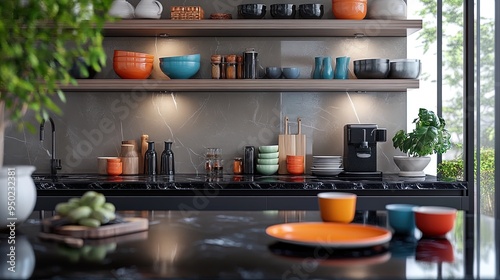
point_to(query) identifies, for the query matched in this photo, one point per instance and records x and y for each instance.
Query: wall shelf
(262, 28)
(209, 85)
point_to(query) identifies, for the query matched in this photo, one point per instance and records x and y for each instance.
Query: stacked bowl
(295, 164)
(180, 67)
(267, 160)
(326, 165)
(132, 65)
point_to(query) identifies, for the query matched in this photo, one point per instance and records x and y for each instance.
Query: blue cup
(401, 218)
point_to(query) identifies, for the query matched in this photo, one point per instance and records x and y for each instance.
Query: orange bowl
(118, 53)
(295, 159)
(295, 169)
(133, 70)
(132, 59)
(349, 9)
(434, 220)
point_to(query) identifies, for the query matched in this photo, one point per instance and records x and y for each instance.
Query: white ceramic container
(149, 9)
(122, 9)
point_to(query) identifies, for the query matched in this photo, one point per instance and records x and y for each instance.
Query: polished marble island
(234, 245)
(247, 192)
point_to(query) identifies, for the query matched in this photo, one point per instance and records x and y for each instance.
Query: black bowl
(252, 11)
(311, 11)
(283, 11)
(76, 71)
(377, 68)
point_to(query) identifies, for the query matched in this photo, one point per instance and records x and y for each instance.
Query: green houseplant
(428, 137)
(41, 40)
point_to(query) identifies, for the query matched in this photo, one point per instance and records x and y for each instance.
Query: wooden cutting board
(290, 144)
(129, 225)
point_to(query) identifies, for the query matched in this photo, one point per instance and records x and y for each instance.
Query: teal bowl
(189, 57)
(267, 169)
(179, 69)
(268, 149)
(268, 160)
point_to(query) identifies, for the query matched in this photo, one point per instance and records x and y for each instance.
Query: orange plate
(330, 234)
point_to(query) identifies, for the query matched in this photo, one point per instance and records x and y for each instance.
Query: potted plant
(42, 40)
(428, 137)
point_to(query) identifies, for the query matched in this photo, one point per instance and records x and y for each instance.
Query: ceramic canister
(130, 160)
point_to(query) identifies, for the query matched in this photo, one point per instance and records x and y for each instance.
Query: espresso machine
(360, 150)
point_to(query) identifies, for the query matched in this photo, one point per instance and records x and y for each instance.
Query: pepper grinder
(167, 166)
(150, 159)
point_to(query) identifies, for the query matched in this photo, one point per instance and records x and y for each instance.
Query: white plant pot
(18, 194)
(411, 166)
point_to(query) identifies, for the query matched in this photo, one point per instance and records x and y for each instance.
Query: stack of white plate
(326, 165)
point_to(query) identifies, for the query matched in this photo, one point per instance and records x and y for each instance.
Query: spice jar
(114, 166)
(239, 67)
(231, 66)
(223, 67)
(215, 60)
(237, 165)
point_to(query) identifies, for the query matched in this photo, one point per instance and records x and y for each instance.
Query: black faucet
(55, 164)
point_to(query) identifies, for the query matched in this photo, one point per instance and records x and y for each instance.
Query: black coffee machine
(360, 150)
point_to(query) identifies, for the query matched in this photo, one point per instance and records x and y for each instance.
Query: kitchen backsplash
(95, 123)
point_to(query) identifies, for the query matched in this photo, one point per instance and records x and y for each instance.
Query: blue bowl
(401, 218)
(190, 57)
(179, 69)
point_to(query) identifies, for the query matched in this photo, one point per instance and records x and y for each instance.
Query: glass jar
(238, 166)
(239, 67)
(231, 67)
(215, 61)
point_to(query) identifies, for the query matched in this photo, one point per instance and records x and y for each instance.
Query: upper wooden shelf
(259, 85)
(262, 28)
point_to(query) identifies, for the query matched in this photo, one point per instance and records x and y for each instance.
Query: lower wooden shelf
(246, 85)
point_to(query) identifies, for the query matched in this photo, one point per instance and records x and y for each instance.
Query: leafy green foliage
(429, 136)
(41, 40)
(454, 170)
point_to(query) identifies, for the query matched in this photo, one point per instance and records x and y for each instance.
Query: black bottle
(248, 160)
(167, 160)
(150, 159)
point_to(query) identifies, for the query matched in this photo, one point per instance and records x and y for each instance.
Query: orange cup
(114, 166)
(338, 207)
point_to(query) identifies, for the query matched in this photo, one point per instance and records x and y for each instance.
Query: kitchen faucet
(55, 164)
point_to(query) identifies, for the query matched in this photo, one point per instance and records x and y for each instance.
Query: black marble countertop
(245, 192)
(234, 245)
(241, 182)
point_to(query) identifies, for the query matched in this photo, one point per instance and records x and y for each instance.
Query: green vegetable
(109, 206)
(97, 201)
(103, 215)
(89, 222)
(79, 213)
(91, 209)
(64, 208)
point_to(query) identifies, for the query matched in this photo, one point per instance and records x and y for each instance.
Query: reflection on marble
(177, 249)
